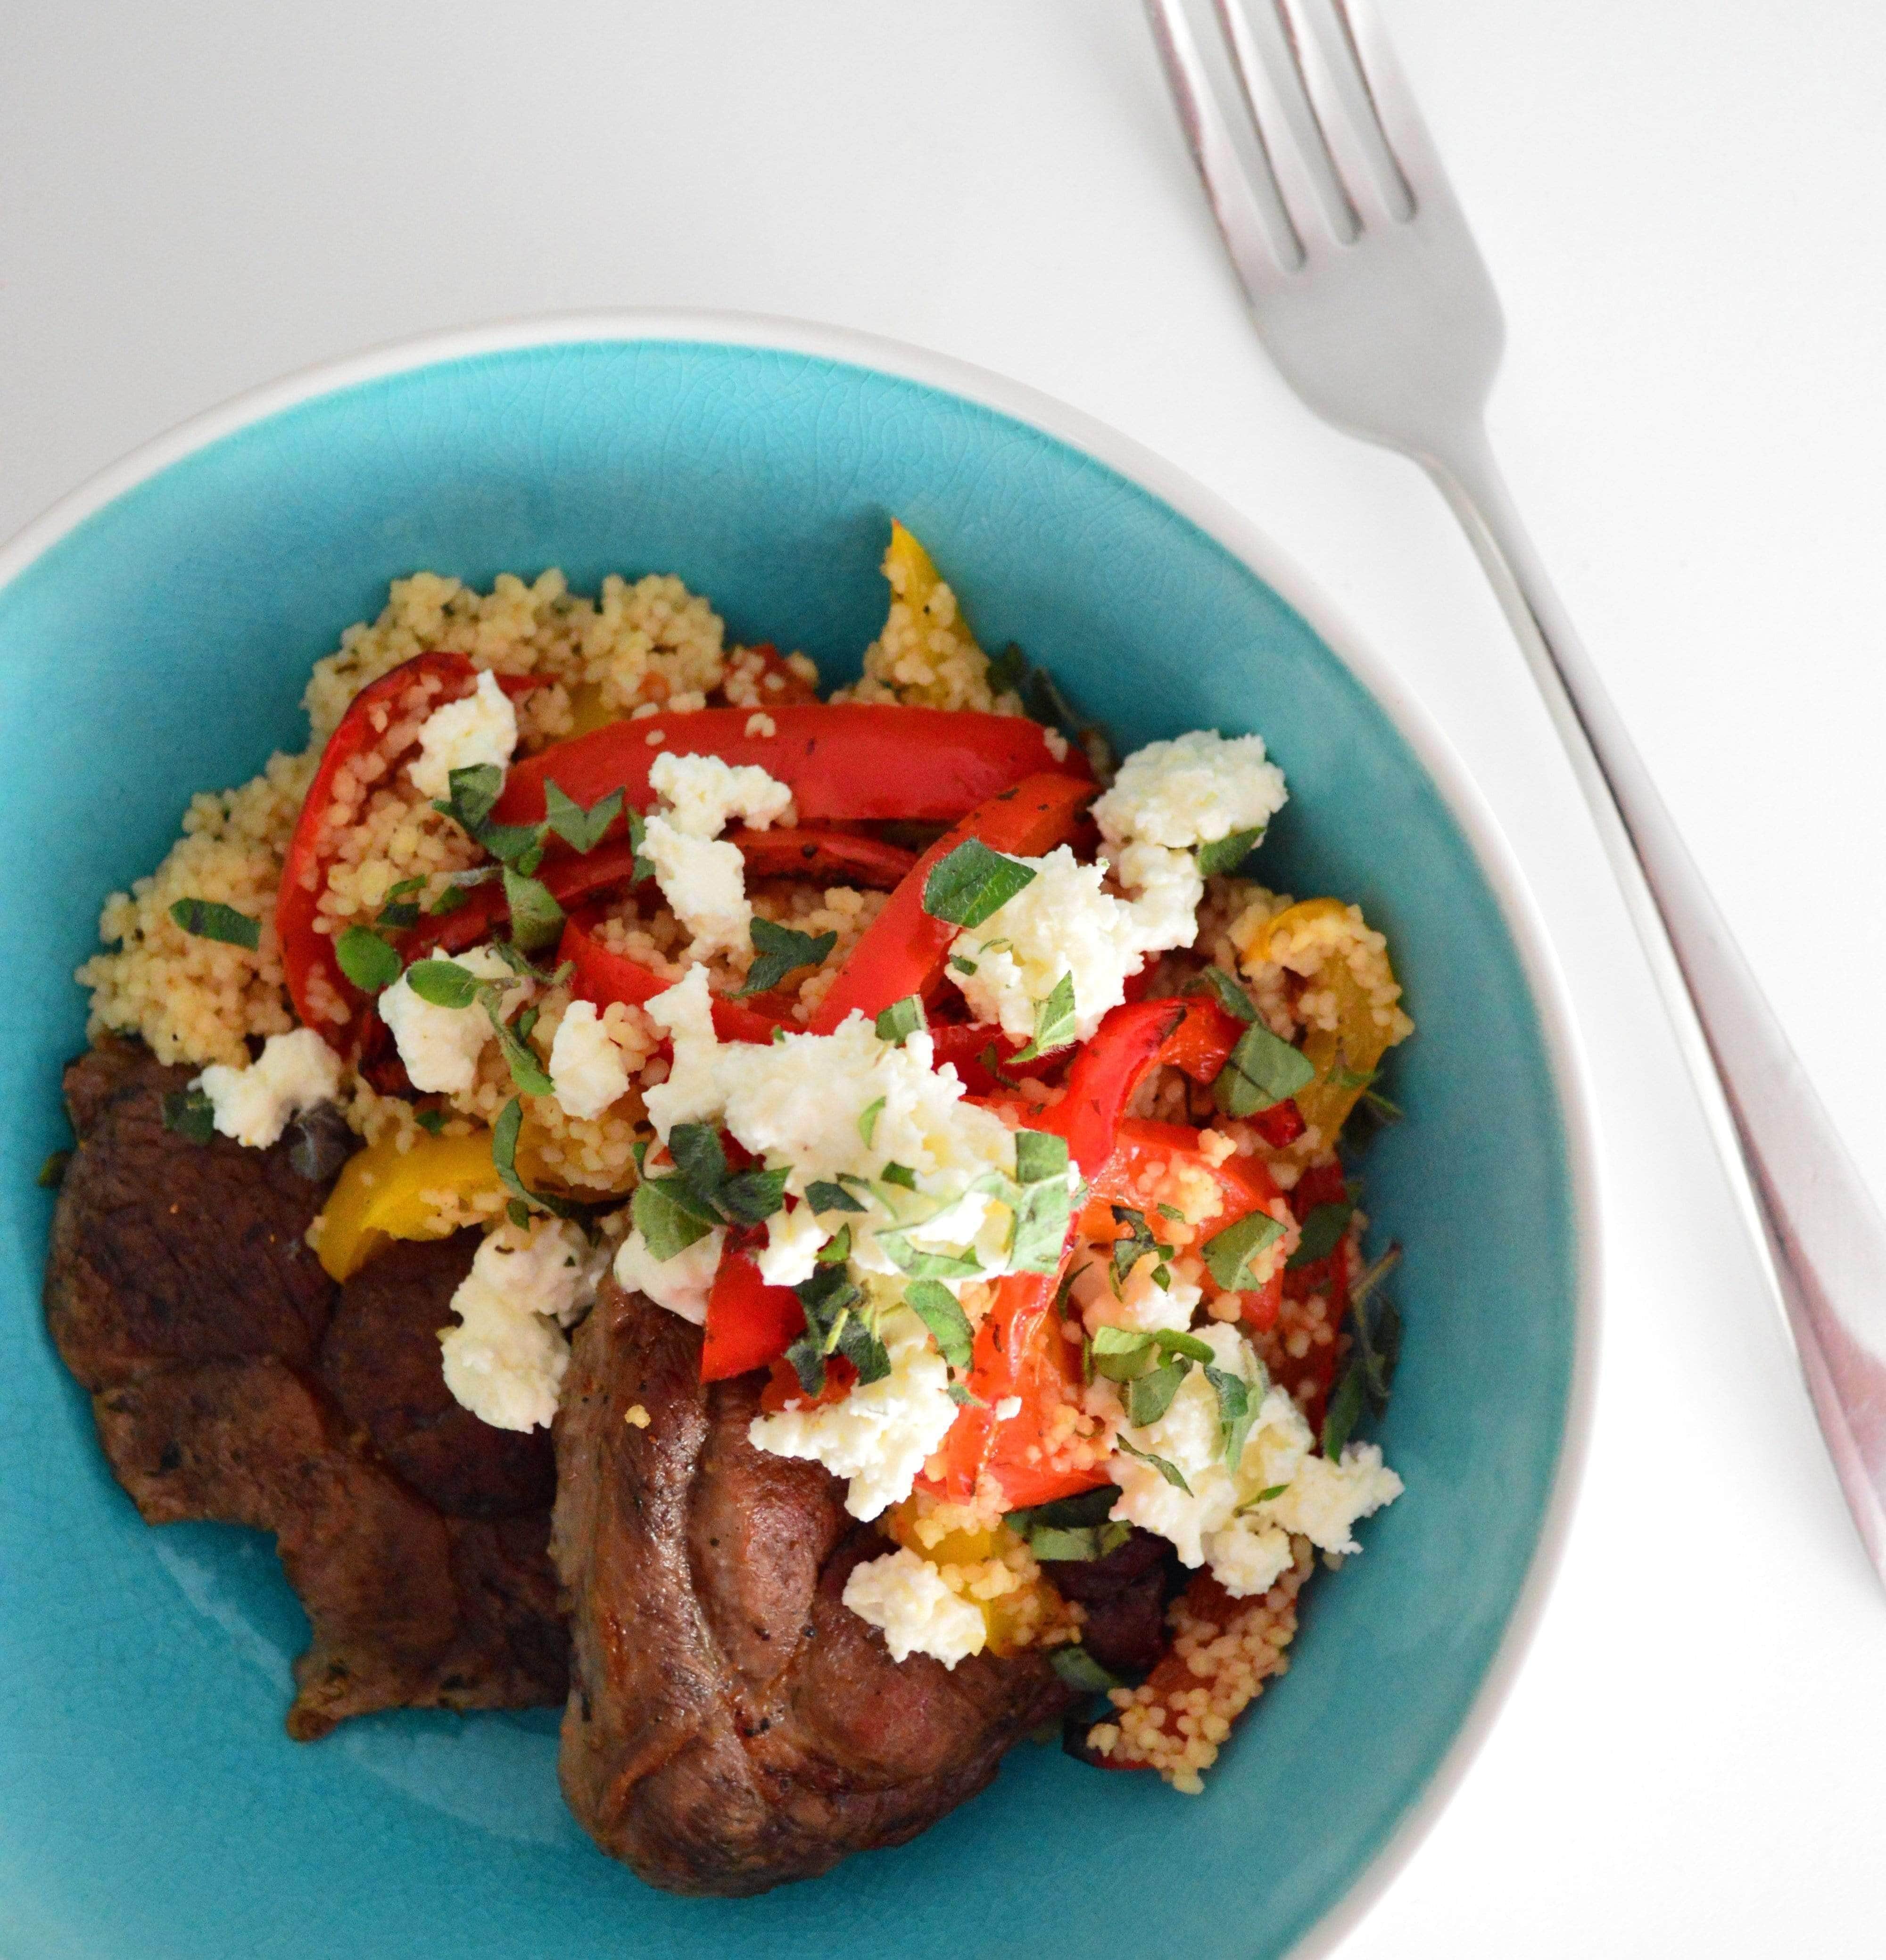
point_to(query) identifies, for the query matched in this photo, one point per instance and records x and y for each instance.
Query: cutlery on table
(1367, 289)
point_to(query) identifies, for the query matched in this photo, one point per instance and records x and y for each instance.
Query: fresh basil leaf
(1085, 1507)
(443, 983)
(823, 1196)
(1345, 1405)
(938, 1308)
(867, 1122)
(900, 1018)
(1262, 1070)
(1065, 1291)
(503, 1156)
(1169, 1340)
(526, 1023)
(972, 882)
(896, 1247)
(1228, 1256)
(1080, 1671)
(204, 918)
(527, 1072)
(669, 1216)
(1040, 1154)
(1236, 1411)
(537, 919)
(1150, 1397)
(1322, 1231)
(366, 959)
(1170, 1472)
(1226, 854)
(1055, 1021)
(836, 1249)
(1231, 996)
(187, 1114)
(781, 950)
(901, 1175)
(581, 829)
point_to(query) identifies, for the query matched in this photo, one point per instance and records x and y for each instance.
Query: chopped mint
(900, 1018)
(1055, 1021)
(867, 1122)
(781, 950)
(1226, 854)
(204, 918)
(1170, 1472)
(504, 1155)
(1321, 1233)
(1077, 1667)
(823, 1196)
(581, 829)
(443, 983)
(1262, 1070)
(537, 919)
(972, 882)
(366, 959)
(1228, 1256)
(938, 1308)
(901, 1175)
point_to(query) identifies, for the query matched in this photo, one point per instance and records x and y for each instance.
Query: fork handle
(1814, 1223)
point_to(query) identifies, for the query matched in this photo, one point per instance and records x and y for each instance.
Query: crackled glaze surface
(149, 1803)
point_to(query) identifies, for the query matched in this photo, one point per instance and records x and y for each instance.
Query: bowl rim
(1219, 520)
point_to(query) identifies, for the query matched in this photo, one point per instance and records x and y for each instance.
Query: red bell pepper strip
(750, 1324)
(811, 852)
(601, 976)
(324, 996)
(1193, 1034)
(846, 761)
(902, 951)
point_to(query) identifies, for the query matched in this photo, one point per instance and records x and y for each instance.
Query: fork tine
(1296, 185)
(1404, 130)
(1345, 111)
(1264, 245)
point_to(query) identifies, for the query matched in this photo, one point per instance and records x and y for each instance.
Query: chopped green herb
(899, 1174)
(1079, 1670)
(187, 1113)
(449, 901)
(433, 1121)
(1170, 1472)
(366, 959)
(1341, 1077)
(750, 1197)
(641, 867)
(537, 919)
(504, 1155)
(399, 913)
(1040, 1154)
(1236, 1411)
(960, 965)
(204, 918)
(1065, 1291)
(900, 1018)
(1055, 1021)
(1225, 853)
(519, 1213)
(1320, 1233)
(972, 882)
(836, 1249)
(1127, 1252)
(53, 1172)
(669, 1216)
(991, 1059)
(1231, 996)
(1172, 1212)
(937, 1307)
(867, 1122)
(1150, 1395)
(443, 983)
(1269, 1495)
(526, 1023)
(781, 950)
(581, 829)
(962, 1398)
(472, 795)
(1372, 1275)
(1085, 1507)
(1262, 1070)
(528, 1073)
(1229, 1255)
(823, 1196)
(1127, 1354)
(896, 1247)
(832, 1326)
(1007, 670)
(1345, 1406)
(1039, 1200)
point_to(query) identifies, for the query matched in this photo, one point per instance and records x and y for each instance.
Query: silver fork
(1367, 288)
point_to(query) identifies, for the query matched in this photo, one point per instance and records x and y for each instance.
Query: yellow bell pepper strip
(1354, 1019)
(383, 1192)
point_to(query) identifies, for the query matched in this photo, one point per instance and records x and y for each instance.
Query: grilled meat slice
(732, 1725)
(231, 1380)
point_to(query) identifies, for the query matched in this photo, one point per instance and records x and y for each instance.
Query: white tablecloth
(1683, 205)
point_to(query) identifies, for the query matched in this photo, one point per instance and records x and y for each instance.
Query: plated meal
(810, 1232)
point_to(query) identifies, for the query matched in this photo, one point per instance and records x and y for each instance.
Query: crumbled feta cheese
(586, 1070)
(705, 882)
(690, 1094)
(1246, 1543)
(481, 728)
(440, 1046)
(1165, 887)
(790, 1256)
(506, 1359)
(704, 794)
(904, 1596)
(879, 1435)
(295, 1072)
(1193, 790)
(681, 1283)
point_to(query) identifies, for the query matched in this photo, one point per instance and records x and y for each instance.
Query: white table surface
(1682, 204)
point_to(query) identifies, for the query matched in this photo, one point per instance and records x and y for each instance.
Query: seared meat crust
(732, 1725)
(231, 1380)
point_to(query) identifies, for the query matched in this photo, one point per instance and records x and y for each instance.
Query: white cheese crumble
(880, 1434)
(905, 1598)
(440, 1046)
(681, 1283)
(295, 1072)
(1141, 1304)
(705, 881)
(1193, 790)
(587, 1069)
(1246, 1543)
(505, 1360)
(481, 728)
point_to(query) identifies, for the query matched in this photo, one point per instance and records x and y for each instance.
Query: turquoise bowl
(155, 633)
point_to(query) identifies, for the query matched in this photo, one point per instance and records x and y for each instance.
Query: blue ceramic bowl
(154, 636)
